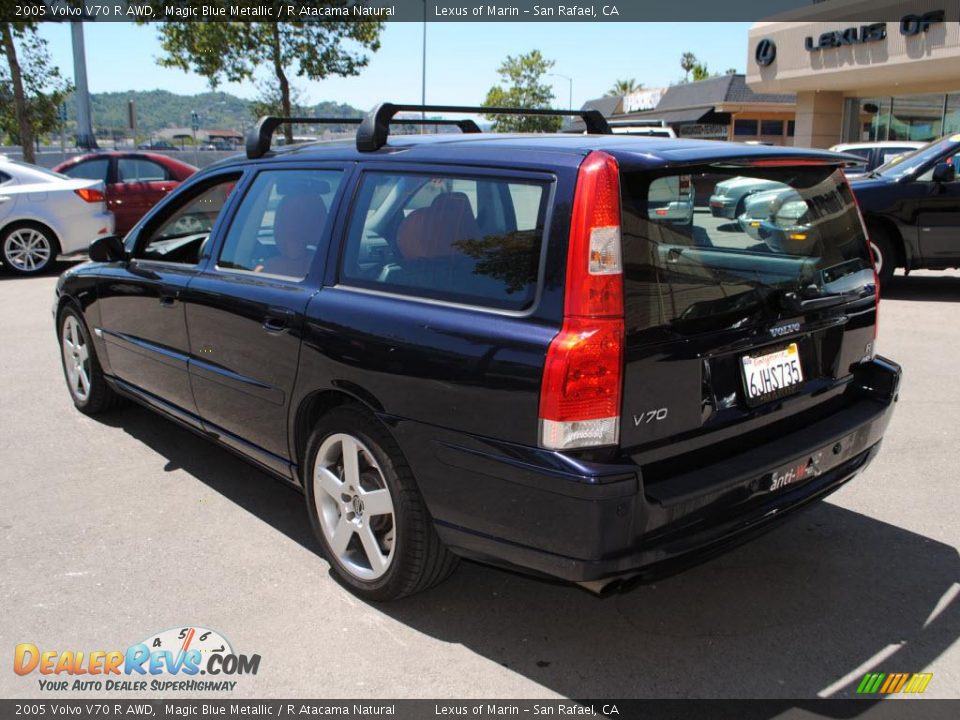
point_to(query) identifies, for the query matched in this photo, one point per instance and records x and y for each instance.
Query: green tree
(731, 71)
(687, 61)
(235, 51)
(700, 72)
(522, 77)
(270, 102)
(31, 87)
(624, 87)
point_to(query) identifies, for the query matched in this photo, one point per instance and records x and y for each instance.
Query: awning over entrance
(706, 115)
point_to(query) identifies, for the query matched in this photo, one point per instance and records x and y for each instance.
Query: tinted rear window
(708, 251)
(471, 240)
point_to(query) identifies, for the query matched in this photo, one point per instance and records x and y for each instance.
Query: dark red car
(135, 181)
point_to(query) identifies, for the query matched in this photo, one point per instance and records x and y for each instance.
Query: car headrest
(299, 219)
(431, 232)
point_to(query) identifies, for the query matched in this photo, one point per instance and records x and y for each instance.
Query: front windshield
(906, 165)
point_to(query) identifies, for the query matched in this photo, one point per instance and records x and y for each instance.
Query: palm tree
(624, 87)
(687, 62)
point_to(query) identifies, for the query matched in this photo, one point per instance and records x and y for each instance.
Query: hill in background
(161, 109)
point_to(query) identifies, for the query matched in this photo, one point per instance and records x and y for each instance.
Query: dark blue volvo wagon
(538, 351)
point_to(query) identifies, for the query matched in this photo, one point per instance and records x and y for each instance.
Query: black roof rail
(258, 139)
(375, 127)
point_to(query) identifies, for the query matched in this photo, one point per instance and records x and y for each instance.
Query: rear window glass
(709, 251)
(89, 169)
(140, 170)
(472, 240)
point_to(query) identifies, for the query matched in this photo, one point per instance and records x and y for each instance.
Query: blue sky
(462, 59)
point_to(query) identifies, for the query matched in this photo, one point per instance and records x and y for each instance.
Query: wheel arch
(27, 221)
(317, 404)
(904, 252)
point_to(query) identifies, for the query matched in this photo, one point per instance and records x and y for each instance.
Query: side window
(4, 178)
(462, 239)
(952, 159)
(139, 170)
(90, 169)
(180, 233)
(280, 223)
(858, 167)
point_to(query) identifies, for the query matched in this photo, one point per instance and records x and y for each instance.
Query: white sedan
(44, 214)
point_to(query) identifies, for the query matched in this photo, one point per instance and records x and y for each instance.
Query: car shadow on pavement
(937, 288)
(59, 267)
(803, 611)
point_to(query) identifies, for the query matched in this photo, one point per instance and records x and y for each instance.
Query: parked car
(163, 145)
(874, 154)
(671, 198)
(911, 207)
(496, 348)
(761, 206)
(135, 181)
(730, 196)
(44, 214)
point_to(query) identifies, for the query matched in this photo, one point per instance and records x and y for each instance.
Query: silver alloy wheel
(27, 249)
(76, 359)
(877, 257)
(354, 506)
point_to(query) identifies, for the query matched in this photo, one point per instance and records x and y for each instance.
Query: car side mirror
(944, 173)
(108, 248)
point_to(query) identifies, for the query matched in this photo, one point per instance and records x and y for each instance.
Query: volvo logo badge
(766, 52)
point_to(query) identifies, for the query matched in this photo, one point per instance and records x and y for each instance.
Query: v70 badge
(645, 418)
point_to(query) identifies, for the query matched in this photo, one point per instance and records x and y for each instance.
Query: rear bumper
(559, 516)
(82, 229)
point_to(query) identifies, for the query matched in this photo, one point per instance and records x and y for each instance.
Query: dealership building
(862, 69)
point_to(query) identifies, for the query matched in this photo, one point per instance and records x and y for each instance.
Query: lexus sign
(766, 52)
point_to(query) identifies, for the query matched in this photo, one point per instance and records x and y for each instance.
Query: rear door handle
(277, 320)
(167, 301)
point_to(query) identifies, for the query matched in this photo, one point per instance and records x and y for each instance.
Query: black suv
(912, 209)
(532, 350)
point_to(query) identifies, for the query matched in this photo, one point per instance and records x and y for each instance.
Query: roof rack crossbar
(373, 131)
(258, 139)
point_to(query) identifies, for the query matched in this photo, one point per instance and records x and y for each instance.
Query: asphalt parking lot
(117, 528)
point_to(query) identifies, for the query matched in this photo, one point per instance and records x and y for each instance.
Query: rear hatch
(738, 331)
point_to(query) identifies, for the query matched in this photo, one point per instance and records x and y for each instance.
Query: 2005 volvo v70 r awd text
(492, 346)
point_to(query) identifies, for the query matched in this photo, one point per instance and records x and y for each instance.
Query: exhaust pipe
(602, 588)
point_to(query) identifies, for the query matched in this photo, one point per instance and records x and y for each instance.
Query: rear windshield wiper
(813, 299)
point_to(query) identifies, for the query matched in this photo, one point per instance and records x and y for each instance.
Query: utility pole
(62, 112)
(570, 81)
(423, 72)
(85, 137)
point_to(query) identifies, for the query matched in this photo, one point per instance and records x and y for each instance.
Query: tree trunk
(19, 99)
(284, 83)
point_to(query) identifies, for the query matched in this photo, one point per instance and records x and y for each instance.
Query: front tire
(81, 369)
(367, 512)
(28, 248)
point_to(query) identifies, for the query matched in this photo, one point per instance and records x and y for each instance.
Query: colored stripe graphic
(870, 683)
(893, 683)
(918, 683)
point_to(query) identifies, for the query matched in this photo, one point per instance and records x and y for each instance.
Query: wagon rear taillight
(583, 374)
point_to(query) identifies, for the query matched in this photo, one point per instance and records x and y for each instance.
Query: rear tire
(88, 388)
(884, 255)
(367, 512)
(28, 248)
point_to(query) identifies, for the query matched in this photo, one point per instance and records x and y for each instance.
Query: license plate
(771, 375)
